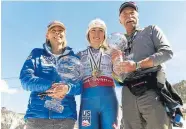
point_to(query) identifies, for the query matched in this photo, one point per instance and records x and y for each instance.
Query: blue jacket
(37, 75)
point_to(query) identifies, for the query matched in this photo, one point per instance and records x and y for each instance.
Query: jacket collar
(48, 49)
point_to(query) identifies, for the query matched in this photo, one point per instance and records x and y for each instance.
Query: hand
(57, 95)
(115, 54)
(127, 66)
(117, 69)
(124, 67)
(61, 88)
(51, 90)
(58, 90)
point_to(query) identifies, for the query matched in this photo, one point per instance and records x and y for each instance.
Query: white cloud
(4, 88)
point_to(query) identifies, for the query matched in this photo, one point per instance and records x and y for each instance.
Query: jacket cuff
(69, 88)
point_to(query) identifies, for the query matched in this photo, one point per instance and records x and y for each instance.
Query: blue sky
(24, 27)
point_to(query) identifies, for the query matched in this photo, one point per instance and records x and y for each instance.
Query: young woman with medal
(99, 105)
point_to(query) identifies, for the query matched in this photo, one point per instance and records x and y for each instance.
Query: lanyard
(130, 42)
(95, 62)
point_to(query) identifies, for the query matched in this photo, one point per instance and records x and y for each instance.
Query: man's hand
(58, 90)
(127, 66)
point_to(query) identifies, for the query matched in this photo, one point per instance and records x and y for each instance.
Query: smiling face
(56, 36)
(129, 18)
(96, 36)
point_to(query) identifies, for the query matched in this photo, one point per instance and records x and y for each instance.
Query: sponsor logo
(47, 60)
(86, 118)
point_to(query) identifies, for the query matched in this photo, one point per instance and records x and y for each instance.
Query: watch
(138, 66)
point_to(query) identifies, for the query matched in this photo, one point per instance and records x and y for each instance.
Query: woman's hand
(116, 54)
(58, 90)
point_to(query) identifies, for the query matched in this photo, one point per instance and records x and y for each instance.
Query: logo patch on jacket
(47, 60)
(86, 118)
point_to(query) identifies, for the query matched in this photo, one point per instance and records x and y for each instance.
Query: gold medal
(96, 73)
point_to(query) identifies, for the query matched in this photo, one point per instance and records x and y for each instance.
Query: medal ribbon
(94, 64)
(130, 41)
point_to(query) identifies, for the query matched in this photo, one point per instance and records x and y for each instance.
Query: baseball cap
(56, 23)
(128, 4)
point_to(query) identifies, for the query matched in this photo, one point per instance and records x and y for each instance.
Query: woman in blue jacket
(39, 75)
